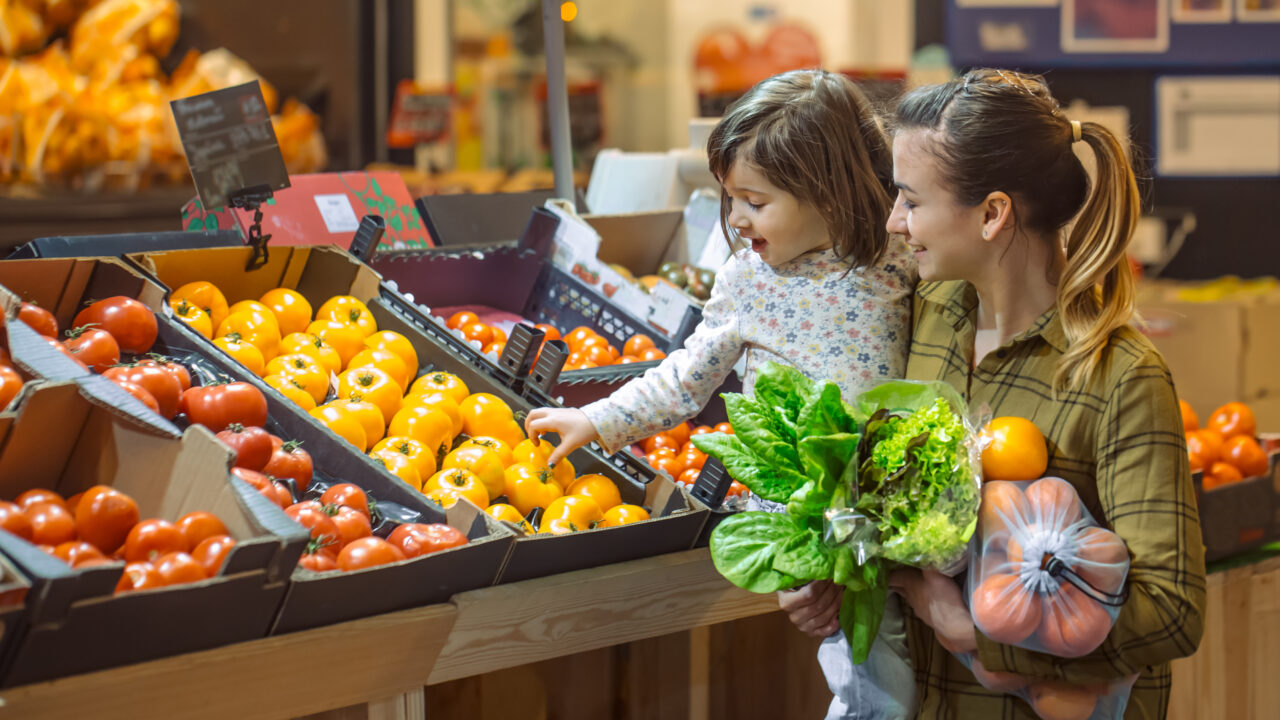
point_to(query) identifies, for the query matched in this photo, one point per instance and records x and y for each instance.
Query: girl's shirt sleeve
(681, 385)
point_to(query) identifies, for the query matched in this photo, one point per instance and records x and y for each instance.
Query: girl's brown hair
(813, 134)
(999, 130)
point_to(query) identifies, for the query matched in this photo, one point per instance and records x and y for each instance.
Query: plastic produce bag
(1044, 576)
(916, 497)
(1057, 700)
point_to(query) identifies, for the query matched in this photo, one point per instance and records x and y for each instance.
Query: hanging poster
(1105, 26)
(1258, 10)
(1202, 11)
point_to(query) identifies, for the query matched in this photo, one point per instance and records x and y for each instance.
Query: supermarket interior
(640, 359)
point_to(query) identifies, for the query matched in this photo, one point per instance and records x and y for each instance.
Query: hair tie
(1075, 131)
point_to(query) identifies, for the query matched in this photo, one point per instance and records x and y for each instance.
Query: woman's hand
(936, 600)
(814, 608)
(571, 424)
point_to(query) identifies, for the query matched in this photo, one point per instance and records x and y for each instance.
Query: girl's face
(945, 235)
(780, 226)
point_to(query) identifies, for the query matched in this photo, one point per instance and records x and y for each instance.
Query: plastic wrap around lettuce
(889, 479)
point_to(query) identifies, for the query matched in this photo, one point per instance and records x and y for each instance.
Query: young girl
(805, 173)
(1033, 320)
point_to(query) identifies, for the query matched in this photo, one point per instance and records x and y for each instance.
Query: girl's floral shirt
(851, 327)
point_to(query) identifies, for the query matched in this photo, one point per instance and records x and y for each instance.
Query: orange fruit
(1220, 474)
(1245, 454)
(1233, 419)
(1189, 419)
(1203, 448)
(1016, 451)
(636, 344)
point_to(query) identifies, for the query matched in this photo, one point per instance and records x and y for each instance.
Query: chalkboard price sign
(229, 142)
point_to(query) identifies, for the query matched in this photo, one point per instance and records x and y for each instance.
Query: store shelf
(384, 656)
(70, 213)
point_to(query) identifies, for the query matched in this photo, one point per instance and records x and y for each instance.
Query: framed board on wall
(1114, 33)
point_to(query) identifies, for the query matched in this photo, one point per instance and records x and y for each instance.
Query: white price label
(669, 306)
(337, 213)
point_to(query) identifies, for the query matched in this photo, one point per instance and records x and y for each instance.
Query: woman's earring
(984, 234)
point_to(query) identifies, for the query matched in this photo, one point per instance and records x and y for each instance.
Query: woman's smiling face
(945, 236)
(779, 226)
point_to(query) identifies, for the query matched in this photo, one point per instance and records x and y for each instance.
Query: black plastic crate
(1239, 516)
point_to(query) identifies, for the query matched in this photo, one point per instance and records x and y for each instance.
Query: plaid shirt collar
(957, 300)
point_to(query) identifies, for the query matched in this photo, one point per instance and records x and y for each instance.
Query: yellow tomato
(494, 444)
(441, 402)
(384, 360)
(508, 513)
(255, 327)
(482, 412)
(398, 344)
(254, 306)
(206, 296)
(485, 464)
(292, 311)
(456, 483)
(570, 513)
(244, 353)
(292, 390)
(305, 371)
(349, 310)
(368, 414)
(313, 346)
(430, 427)
(527, 486)
(342, 424)
(412, 448)
(373, 385)
(194, 316)
(598, 488)
(623, 515)
(526, 451)
(510, 433)
(346, 339)
(400, 466)
(441, 382)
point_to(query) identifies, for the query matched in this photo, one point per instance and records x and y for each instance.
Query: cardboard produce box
(1240, 516)
(1218, 351)
(67, 437)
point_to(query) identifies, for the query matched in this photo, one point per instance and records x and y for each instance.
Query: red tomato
(317, 521)
(76, 550)
(38, 319)
(173, 367)
(264, 485)
(199, 526)
(352, 525)
(212, 552)
(94, 347)
(252, 445)
(163, 386)
(140, 393)
(178, 567)
(104, 517)
(460, 318)
(284, 497)
(56, 345)
(318, 561)
(689, 476)
(139, 576)
(131, 323)
(348, 495)
(549, 332)
(368, 552)
(724, 427)
(10, 384)
(152, 538)
(35, 496)
(414, 539)
(13, 520)
(217, 406)
(289, 460)
(51, 524)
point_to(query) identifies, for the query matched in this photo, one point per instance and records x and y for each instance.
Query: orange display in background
(726, 64)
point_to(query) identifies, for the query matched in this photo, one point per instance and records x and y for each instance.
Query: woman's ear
(997, 215)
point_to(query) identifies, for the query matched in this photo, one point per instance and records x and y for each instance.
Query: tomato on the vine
(252, 445)
(173, 367)
(347, 495)
(131, 323)
(162, 385)
(317, 558)
(93, 347)
(289, 460)
(314, 519)
(368, 552)
(217, 406)
(414, 539)
(264, 485)
(351, 523)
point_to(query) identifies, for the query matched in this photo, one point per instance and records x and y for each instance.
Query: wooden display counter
(662, 637)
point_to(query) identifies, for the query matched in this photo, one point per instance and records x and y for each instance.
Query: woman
(1033, 320)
